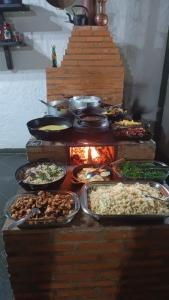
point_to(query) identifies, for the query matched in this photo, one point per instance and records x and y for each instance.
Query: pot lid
(60, 3)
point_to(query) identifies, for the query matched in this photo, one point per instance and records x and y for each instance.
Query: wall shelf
(11, 44)
(13, 7)
(7, 44)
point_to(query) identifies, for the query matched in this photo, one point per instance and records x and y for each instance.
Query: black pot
(20, 176)
(33, 126)
(91, 124)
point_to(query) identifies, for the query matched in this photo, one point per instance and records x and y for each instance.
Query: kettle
(79, 19)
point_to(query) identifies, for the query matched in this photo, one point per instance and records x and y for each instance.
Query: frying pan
(60, 3)
(33, 126)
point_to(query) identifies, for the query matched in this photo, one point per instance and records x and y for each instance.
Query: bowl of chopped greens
(40, 175)
(143, 170)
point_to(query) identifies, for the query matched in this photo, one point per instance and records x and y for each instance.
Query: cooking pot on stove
(84, 102)
(57, 108)
(91, 124)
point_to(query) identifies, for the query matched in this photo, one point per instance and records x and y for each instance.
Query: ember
(87, 155)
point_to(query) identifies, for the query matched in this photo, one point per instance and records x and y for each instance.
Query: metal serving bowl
(84, 102)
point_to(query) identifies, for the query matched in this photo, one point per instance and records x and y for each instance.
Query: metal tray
(117, 171)
(44, 223)
(122, 218)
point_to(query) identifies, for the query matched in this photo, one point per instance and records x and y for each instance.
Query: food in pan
(53, 127)
(113, 111)
(52, 206)
(130, 129)
(143, 170)
(43, 173)
(130, 132)
(128, 123)
(127, 199)
(101, 174)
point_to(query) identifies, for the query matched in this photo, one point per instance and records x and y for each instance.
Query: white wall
(21, 89)
(139, 28)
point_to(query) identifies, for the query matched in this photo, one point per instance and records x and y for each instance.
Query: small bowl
(20, 173)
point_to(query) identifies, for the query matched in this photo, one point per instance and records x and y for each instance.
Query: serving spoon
(155, 198)
(96, 171)
(34, 211)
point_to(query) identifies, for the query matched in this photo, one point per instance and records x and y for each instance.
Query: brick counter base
(89, 262)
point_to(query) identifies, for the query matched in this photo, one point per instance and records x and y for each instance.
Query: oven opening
(91, 155)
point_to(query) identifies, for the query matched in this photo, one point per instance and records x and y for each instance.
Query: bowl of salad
(42, 174)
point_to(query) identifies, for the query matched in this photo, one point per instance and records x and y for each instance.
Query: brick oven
(91, 66)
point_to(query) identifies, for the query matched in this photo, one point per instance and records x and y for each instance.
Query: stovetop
(79, 139)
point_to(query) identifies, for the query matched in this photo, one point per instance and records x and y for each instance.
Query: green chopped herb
(142, 171)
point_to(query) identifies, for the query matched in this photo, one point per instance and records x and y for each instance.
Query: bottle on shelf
(54, 57)
(7, 33)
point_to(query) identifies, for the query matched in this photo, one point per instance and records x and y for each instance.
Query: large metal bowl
(84, 102)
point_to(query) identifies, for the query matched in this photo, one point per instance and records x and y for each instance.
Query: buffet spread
(113, 190)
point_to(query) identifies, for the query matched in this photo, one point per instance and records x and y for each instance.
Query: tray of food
(114, 112)
(90, 173)
(131, 130)
(55, 208)
(144, 170)
(41, 174)
(125, 201)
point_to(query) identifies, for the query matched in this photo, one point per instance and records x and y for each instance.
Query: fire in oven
(91, 155)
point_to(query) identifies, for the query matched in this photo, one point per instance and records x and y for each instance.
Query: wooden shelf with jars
(11, 41)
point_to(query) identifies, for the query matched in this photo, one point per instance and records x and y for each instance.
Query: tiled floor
(8, 187)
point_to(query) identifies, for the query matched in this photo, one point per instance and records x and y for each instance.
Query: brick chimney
(91, 66)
